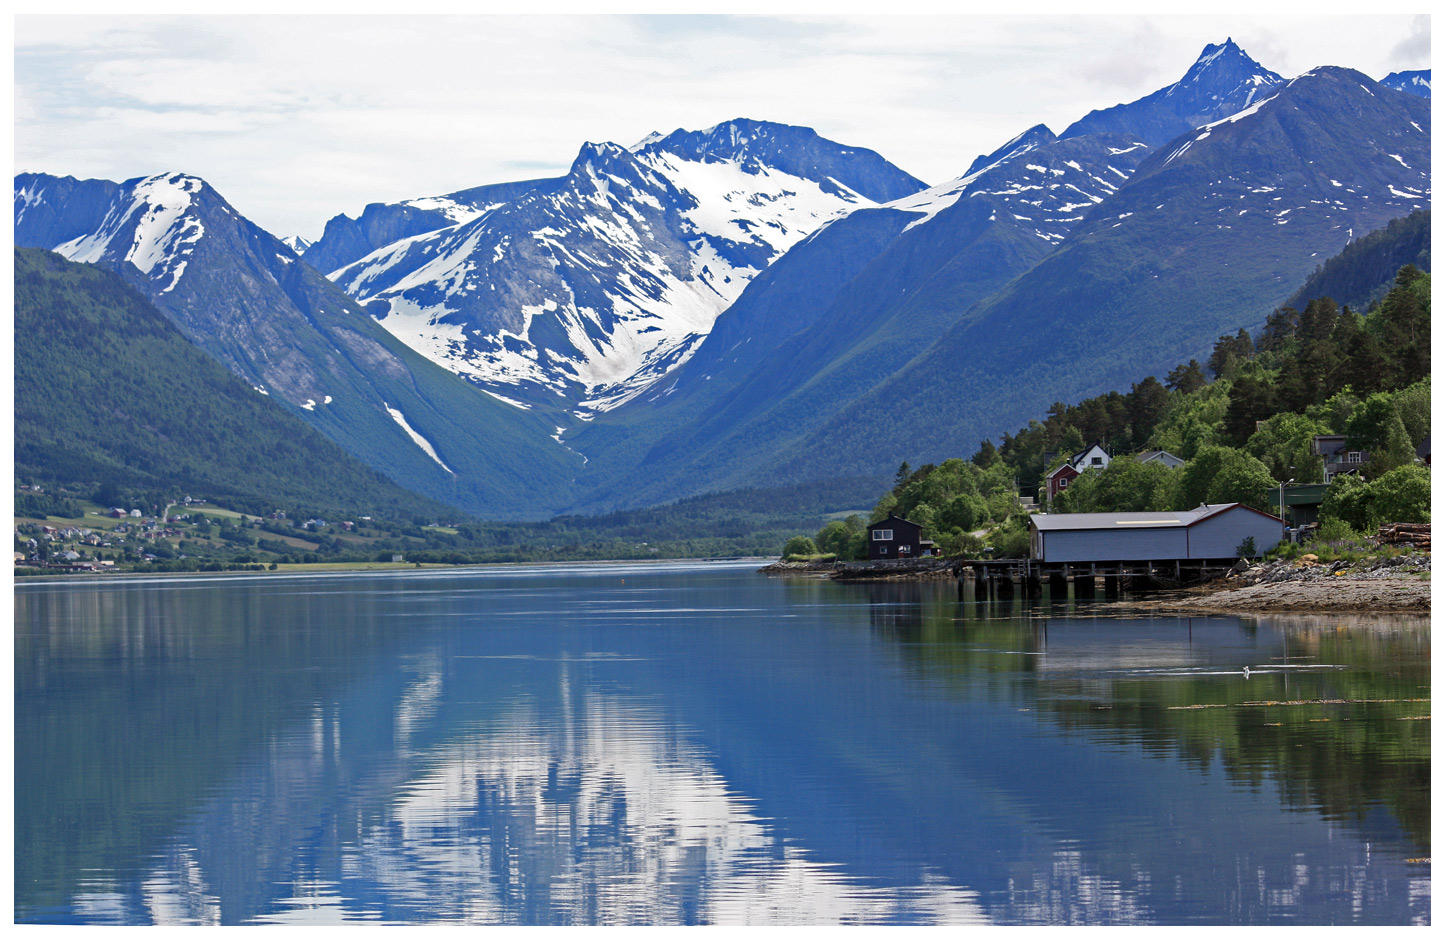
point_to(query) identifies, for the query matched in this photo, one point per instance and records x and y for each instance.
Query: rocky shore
(918, 569)
(1399, 584)
(1389, 585)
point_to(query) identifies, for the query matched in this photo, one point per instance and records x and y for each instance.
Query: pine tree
(986, 456)
(1185, 378)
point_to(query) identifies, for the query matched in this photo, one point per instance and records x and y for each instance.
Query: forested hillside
(1360, 276)
(109, 395)
(1243, 424)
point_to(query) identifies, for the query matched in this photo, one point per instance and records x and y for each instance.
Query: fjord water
(703, 744)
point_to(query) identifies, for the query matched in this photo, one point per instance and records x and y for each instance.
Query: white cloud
(295, 119)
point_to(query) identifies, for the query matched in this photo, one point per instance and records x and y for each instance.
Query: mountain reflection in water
(679, 745)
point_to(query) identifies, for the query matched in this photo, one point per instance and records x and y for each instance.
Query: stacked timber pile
(1415, 534)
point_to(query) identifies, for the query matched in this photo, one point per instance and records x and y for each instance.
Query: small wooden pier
(997, 579)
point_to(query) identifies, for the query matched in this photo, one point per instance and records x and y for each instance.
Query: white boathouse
(1213, 532)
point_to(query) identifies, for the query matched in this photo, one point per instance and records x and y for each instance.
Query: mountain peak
(1228, 63)
(1036, 136)
(1415, 82)
(1222, 81)
(796, 150)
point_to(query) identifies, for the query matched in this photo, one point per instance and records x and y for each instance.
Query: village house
(1331, 449)
(897, 538)
(1160, 456)
(1093, 457)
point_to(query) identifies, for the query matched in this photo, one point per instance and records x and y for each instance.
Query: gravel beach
(1395, 585)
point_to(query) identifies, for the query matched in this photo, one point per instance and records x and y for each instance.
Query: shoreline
(1401, 587)
(376, 567)
(1338, 595)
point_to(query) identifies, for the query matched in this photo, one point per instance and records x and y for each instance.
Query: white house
(1160, 456)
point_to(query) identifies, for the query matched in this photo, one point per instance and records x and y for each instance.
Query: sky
(294, 119)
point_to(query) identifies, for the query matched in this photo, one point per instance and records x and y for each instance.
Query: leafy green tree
(1126, 485)
(836, 537)
(1413, 404)
(957, 543)
(1242, 479)
(1283, 444)
(923, 515)
(1401, 495)
(1224, 475)
(1396, 452)
(887, 503)
(1348, 499)
(966, 512)
(1071, 442)
(1335, 413)
(1376, 427)
(799, 545)
(1010, 540)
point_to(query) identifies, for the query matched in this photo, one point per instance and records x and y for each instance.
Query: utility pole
(1282, 496)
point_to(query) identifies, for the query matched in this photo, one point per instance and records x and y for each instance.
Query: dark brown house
(897, 538)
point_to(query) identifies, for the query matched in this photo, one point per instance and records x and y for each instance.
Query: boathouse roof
(1120, 521)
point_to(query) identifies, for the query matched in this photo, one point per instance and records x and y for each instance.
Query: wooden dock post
(1112, 586)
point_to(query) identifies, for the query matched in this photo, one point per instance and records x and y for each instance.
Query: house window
(1063, 484)
(1096, 461)
(1353, 457)
(883, 535)
(904, 549)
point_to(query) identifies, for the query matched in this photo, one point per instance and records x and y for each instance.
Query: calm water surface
(703, 744)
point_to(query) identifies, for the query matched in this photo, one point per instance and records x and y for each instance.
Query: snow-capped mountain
(851, 305)
(245, 298)
(346, 239)
(581, 292)
(1417, 82)
(1049, 271)
(1213, 230)
(146, 223)
(1221, 82)
(296, 243)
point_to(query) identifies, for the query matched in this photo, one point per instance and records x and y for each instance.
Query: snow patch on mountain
(455, 211)
(153, 229)
(589, 292)
(417, 439)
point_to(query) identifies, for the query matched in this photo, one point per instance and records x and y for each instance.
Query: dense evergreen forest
(1243, 423)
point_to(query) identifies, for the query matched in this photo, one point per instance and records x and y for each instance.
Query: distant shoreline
(348, 568)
